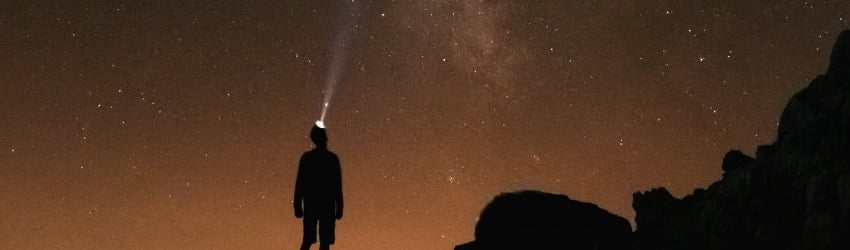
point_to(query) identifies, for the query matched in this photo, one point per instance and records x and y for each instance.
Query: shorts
(326, 229)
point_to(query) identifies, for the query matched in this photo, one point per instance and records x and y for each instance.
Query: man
(319, 188)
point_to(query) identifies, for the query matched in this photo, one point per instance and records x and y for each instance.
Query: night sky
(179, 124)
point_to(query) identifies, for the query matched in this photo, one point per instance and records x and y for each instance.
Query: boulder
(538, 220)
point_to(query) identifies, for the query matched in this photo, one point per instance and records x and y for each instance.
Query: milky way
(179, 124)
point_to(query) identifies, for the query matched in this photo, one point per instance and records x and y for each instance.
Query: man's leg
(326, 232)
(309, 232)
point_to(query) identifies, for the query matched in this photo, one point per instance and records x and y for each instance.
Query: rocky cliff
(794, 194)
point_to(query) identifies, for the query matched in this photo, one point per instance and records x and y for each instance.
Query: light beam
(339, 61)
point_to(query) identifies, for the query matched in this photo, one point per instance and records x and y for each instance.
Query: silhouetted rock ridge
(795, 194)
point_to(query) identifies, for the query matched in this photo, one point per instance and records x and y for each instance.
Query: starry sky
(179, 124)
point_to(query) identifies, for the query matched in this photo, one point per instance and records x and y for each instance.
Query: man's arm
(299, 182)
(339, 200)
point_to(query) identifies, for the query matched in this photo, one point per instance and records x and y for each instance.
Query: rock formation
(795, 194)
(537, 220)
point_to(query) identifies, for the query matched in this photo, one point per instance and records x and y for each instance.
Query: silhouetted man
(319, 187)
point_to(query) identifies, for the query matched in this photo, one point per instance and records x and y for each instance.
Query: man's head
(319, 137)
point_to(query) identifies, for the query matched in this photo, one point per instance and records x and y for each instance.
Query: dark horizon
(178, 125)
